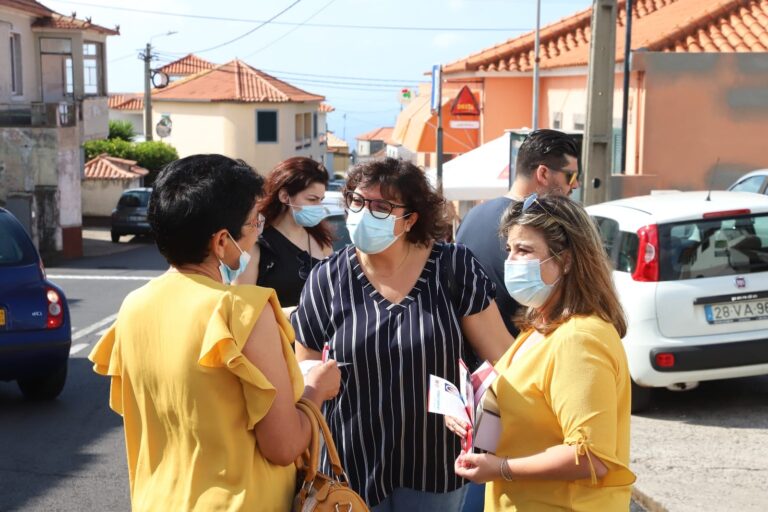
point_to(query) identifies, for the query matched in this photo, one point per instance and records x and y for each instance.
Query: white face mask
(369, 234)
(522, 278)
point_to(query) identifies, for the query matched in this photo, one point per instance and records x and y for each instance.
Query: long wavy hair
(294, 175)
(404, 183)
(587, 287)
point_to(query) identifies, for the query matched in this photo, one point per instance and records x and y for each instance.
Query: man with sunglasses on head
(547, 163)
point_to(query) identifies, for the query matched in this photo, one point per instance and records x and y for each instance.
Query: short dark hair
(547, 147)
(404, 183)
(195, 197)
(294, 175)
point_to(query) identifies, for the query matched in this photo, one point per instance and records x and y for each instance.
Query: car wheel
(115, 237)
(641, 397)
(44, 388)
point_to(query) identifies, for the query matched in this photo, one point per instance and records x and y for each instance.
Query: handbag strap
(319, 426)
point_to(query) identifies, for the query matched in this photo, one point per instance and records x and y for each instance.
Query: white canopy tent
(480, 174)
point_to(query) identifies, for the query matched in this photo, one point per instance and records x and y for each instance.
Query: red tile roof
(657, 25)
(325, 107)
(28, 6)
(336, 144)
(234, 81)
(187, 65)
(61, 22)
(127, 101)
(384, 133)
(105, 167)
(48, 18)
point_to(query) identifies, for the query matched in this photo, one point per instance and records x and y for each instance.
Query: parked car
(335, 185)
(755, 181)
(130, 215)
(35, 332)
(691, 269)
(334, 201)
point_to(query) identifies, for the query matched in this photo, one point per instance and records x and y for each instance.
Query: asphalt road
(69, 454)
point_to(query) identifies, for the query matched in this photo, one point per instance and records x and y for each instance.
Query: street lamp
(147, 58)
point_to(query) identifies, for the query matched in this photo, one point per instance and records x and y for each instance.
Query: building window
(307, 129)
(92, 68)
(314, 125)
(16, 82)
(579, 122)
(266, 126)
(557, 121)
(69, 80)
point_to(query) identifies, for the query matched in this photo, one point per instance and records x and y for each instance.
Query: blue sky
(360, 71)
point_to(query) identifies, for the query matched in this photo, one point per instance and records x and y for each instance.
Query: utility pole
(596, 151)
(147, 57)
(625, 92)
(536, 59)
(439, 147)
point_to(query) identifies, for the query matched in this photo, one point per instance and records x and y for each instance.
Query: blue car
(35, 330)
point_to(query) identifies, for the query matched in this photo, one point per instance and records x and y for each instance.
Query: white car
(755, 181)
(691, 269)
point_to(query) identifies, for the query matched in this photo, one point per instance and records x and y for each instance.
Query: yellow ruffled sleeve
(582, 390)
(226, 334)
(106, 360)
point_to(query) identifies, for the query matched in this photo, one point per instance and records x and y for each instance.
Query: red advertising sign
(465, 103)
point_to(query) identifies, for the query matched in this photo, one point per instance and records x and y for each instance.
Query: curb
(646, 501)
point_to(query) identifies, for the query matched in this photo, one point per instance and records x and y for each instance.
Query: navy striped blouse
(386, 438)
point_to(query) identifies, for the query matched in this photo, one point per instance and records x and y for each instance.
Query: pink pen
(326, 350)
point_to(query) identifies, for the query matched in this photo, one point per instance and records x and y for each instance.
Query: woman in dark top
(295, 237)
(394, 308)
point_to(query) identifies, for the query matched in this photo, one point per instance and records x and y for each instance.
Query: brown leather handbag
(318, 492)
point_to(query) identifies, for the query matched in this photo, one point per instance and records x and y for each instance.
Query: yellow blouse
(190, 399)
(572, 387)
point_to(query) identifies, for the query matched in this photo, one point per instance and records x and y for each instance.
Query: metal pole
(600, 87)
(440, 133)
(536, 44)
(625, 99)
(147, 94)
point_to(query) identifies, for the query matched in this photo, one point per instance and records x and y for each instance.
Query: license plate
(2, 317)
(736, 312)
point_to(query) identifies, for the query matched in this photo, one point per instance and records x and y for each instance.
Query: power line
(291, 30)
(250, 31)
(317, 25)
(293, 73)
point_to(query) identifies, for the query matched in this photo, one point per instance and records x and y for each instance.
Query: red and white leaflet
(445, 398)
(482, 378)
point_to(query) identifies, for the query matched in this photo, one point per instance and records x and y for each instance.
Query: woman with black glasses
(394, 308)
(295, 237)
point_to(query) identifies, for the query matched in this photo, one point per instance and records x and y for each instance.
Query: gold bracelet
(505, 473)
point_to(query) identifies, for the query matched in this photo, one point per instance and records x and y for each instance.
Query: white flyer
(445, 398)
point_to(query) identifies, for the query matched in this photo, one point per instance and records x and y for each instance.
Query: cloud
(446, 39)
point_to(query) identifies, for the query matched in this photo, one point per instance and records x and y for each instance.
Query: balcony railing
(36, 114)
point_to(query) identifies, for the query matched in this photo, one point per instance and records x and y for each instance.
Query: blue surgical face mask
(308, 215)
(227, 274)
(522, 279)
(369, 234)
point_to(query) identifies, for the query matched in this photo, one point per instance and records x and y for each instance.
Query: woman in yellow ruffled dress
(203, 372)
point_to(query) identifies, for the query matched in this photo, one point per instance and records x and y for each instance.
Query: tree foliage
(152, 155)
(122, 130)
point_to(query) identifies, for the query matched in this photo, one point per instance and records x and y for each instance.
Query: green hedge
(152, 155)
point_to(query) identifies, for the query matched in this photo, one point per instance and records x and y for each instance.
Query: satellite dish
(159, 79)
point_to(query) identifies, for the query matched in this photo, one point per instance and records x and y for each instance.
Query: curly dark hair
(195, 197)
(404, 183)
(294, 175)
